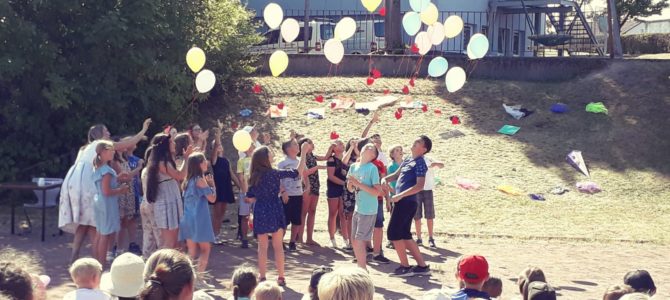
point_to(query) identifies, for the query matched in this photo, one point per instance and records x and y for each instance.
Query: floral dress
(127, 201)
(269, 209)
(314, 185)
(78, 191)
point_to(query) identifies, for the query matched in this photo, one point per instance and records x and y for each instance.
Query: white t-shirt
(244, 154)
(87, 294)
(293, 186)
(430, 175)
(383, 158)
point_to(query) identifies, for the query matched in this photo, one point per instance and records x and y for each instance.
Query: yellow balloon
(195, 59)
(278, 62)
(430, 14)
(371, 5)
(242, 140)
(453, 26)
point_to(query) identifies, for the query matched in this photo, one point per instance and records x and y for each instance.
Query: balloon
(478, 46)
(423, 42)
(411, 21)
(242, 140)
(455, 79)
(430, 14)
(278, 62)
(438, 66)
(371, 5)
(334, 50)
(195, 59)
(453, 26)
(205, 81)
(273, 15)
(290, 30)
(345, 29)
(436, 33)
(419, 5)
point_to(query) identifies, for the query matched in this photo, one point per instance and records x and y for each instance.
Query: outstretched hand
(145, 125)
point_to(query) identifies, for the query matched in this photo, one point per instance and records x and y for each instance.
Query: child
(346, 284)
(493, 286)
(106, 201)
(196, 226)
(269, 217)
(127, 202)
(396, 154)
(134, 162)
(293, 187)
(311, 188)
(641, 282)
(314, 283)
(244, 282)
(85, 273)
(349, 198)
(425, 203)
(267, 291)
(124, 280)
(243, 173)
(337, 174)
(223, 178)
(473, 271)
(364, 177)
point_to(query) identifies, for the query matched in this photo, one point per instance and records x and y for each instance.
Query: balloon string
(190, 105)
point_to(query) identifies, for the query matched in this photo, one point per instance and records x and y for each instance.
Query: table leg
(44, 209)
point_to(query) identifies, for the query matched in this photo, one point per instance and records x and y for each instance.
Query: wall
(507, 68)
(661, 26)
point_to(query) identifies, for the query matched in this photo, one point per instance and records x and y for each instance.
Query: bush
(66, 65)
(646, 43)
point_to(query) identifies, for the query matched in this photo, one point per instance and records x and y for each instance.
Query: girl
(76, 199)
(244, 282)
(269, 216)
(349, 198)
(182, 141)
(395, 153)
(337, 174)
(196, 226)
(223, 176)
(127, 201)
(311, 188)
(106, 203)
(162, 188)
(198, 137)
(169, 276)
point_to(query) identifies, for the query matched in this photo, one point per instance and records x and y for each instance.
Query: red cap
(473, 269)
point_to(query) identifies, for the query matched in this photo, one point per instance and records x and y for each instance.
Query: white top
(243, 154)
(87, 294)
(293, 186)
(383, 158)
(429, 185)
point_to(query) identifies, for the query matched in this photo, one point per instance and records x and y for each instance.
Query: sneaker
(381, 259)
(292, 247)
(403, 272)
(218, 241)
(431, 243)
(389, 245)
(421, 271)
(334, 243)
(419, 242)
(245, 244)
(281, 281)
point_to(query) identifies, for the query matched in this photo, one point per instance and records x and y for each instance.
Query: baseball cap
(248, 129)
(473, 269)
(538, 290)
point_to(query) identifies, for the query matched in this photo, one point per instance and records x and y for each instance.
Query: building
(513, 27)
(646, 26)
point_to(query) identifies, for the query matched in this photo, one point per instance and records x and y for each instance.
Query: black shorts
(400, 225)
(292, 210)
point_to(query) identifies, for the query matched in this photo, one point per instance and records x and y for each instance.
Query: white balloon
(455, 79)
(334, 51)
(423, 42)
(478, 46)
(290, 30)
(411, 22)
(273, 15)
(242, 140)
(205, 81)
(436, 33)
(345, 29)
(453, 26)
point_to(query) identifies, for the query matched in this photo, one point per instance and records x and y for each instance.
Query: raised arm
(217, 142)
(180, 172)
(375, 119)
(123, 145)
(347, 155)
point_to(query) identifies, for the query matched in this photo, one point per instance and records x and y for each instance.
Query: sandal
(281, 281)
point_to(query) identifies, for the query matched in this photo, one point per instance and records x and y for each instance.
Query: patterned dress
(127, 201)
(314, 185)
(349, 198)
(269, 210)
(169, 206)
(78, 191)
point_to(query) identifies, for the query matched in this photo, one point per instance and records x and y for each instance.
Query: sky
(600, 4)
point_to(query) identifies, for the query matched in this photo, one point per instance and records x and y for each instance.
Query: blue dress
(222, 180)
(106, 209)
(269, 209)
(196, 224)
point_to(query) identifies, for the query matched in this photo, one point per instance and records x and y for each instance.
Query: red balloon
(424, 108)
(334, 135)
(382, 12)
(405, 90)
(257, 89)
(371, 80)
(438, 111)
(333, 104)
(411, 82)
(398, 114)
(280, 105)
(386, 91)
(376, 73)
(319, 98)
(415, 49)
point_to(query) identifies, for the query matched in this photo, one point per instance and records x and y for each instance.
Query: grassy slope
(628, 151)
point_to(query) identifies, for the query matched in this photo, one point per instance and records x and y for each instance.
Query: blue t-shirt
(366, 204)
(410, 170)
(466, 294)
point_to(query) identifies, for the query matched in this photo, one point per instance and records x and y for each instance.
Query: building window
(467, 33)
(518, 42)
(485, 30)
(502, 39)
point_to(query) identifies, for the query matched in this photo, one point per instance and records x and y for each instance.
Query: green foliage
(66, 65)
(646, 43)
(629, 9)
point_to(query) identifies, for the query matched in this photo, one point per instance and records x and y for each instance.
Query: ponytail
(101, 146)
(167, 282)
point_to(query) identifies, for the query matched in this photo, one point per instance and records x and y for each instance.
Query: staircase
(575, 23)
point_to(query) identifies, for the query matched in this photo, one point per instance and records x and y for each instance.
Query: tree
(628, 9)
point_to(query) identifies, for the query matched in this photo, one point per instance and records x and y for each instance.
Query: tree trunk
(392, 27)
(615, 36)
(306, 31)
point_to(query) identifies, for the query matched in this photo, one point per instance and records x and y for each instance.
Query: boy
(473, 271)
(85, 273)
(364, 178)
(293, 189)
(243, 173)
(411, 178)
(425, 203)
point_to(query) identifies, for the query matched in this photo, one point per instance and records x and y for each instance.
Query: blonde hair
(85, 269)
(393, 148)
(267, 291)
(346, 284)
(102, 145)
